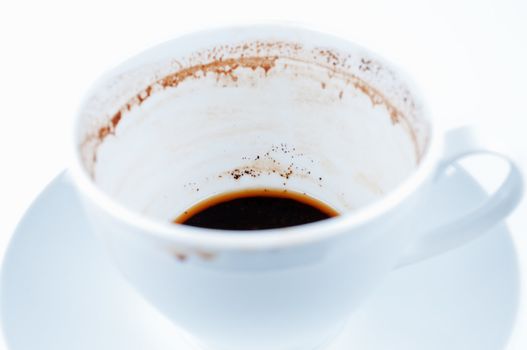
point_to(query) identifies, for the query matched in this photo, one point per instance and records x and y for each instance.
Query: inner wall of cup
(337, 126)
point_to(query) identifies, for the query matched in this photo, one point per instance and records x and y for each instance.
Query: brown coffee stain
(225, 67)
(221, 67)
(180, 256)
(116, 119)
(204, 255)
(183, 255)
(268, 163)
(375, 96)
(103, 132)
(256, 170)
(247, 55)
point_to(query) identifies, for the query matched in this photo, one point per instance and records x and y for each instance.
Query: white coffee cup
(266, 107)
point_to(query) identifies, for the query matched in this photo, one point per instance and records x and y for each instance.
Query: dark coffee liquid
(256, 210)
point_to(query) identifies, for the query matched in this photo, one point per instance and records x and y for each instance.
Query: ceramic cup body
(255, 107)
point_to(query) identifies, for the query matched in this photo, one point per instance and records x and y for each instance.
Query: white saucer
(59, 291)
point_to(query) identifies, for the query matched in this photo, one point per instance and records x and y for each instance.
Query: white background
(469, 57)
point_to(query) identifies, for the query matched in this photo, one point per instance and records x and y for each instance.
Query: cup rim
(264, 239)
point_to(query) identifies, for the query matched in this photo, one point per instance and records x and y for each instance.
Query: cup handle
(461, 143)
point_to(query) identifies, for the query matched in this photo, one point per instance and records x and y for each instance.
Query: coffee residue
(263, 55)
(221, 67)
(225, 67)
(266, 164)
